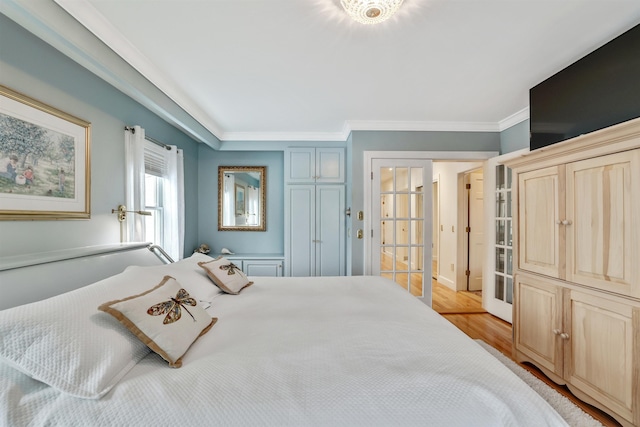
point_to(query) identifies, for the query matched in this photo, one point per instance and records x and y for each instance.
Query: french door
(401, 226)
(497, 293)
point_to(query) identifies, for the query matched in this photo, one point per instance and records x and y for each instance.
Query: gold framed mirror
(242, 198)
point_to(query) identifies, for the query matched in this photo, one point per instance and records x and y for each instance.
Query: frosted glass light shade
(371, 11)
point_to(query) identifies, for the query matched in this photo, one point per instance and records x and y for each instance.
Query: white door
(401, 223)
(476, 230)
(497, 292)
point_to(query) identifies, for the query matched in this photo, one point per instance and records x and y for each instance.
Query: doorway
(435, 233)
(474, 229)
(450, 166)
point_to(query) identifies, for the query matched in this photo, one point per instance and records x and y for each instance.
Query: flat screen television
(599, 90)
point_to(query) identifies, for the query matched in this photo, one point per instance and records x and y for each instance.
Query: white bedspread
(351, 351)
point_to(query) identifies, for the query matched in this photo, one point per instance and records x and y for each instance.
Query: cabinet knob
(558, 222)
(564, 336)
(566, 222)
(556, 331)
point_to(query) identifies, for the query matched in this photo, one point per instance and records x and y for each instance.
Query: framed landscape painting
(44, 161)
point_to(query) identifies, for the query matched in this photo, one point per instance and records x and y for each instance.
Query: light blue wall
(31, 66)
(362, 141)
(270, 241)
(515, 138)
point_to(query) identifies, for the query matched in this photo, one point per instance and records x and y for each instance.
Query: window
(154, 177)
(154, 203)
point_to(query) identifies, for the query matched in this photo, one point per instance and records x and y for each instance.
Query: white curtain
(252, 206)
(180, 160)
(173, 233)
(134, 180)
(229, 203)
(142, 156)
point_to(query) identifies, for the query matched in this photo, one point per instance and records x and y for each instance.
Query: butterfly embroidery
(173, 307)
(231, 268)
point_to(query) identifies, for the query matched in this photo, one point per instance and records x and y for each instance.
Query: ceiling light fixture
(371, 11)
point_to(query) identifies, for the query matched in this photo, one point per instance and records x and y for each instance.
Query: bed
(323, 351)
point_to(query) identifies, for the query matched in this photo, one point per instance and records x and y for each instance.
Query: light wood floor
(465, 312)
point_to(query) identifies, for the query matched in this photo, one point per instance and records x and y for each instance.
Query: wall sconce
(122, 212)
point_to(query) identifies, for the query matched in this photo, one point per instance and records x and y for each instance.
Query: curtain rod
(148, 138)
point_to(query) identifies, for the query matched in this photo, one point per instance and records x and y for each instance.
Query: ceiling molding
(419, 126)
(362, 125)
(284, 136)
(514, 119)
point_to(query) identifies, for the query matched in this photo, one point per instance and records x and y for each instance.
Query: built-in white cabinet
(270, 265)
(315, 230)
(315, 212)
(305, 165)
(577, 279)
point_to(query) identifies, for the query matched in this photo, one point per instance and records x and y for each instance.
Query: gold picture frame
(242, 198)
(45, 162)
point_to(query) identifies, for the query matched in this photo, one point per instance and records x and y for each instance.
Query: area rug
(574, 416)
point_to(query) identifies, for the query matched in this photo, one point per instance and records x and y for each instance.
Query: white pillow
(226, 275)
(67, 343)
(166, 318)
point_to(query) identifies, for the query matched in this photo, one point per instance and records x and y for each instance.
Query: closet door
(329, 238)
(300, 205)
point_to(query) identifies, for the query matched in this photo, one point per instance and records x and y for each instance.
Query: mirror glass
(241, 198)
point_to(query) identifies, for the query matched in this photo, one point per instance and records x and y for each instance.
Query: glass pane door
(401, 234)
(503, 247)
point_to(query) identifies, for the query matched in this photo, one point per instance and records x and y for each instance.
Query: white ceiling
(302, 70)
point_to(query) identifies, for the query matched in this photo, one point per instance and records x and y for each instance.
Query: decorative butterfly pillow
(166, 318)
(226, 275)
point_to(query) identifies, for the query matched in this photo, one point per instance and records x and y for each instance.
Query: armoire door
(603, 222)
(538, 321)
(540, 209)
(600, 350)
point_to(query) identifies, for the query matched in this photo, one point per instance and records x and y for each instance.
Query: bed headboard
(33, 277)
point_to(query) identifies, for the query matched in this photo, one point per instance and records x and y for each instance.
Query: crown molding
(284, 136)
(362, 125)
(419, 126)
(514, 119)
